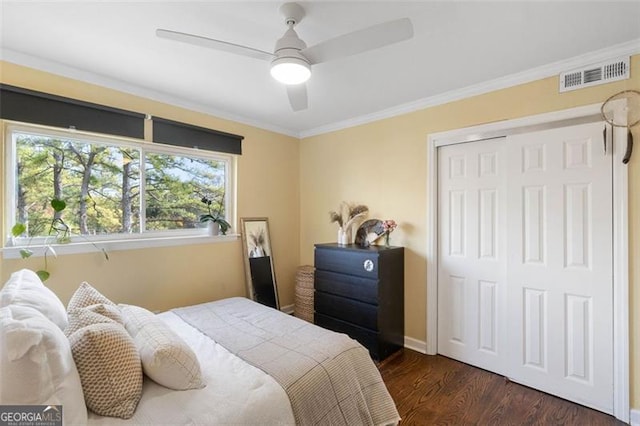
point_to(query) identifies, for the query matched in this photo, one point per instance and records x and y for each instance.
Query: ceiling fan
(291, 60)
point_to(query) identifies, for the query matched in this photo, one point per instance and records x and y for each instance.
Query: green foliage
(58, 205)
(101, 187)
(171, 182)
(18, 229)
(215, 213)
(44, 275)
(56, 175)
(57, 228)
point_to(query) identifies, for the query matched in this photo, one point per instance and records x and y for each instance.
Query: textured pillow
(109, 367)
(36, 365)
(92, 314)
(166, 358)
(85, 296)
(26, 289)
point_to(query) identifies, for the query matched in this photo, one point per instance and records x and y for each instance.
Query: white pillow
(36, 365)
(166, 358)
(25, 288)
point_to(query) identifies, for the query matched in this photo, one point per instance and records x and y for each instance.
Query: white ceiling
(456, 45)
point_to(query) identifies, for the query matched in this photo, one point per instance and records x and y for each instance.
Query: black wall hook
(627, 154)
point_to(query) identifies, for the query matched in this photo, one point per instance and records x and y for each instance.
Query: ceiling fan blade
(360, 41)
(297, 96)
(215, 44)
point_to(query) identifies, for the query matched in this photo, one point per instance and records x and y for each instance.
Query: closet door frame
(585, 114)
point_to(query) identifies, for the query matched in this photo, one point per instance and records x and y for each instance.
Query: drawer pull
(368, 265)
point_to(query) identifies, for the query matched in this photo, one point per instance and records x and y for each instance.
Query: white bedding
(236, 392)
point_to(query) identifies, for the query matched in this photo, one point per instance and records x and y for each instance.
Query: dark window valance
(180, 134)
(42, 108)
(30, 106)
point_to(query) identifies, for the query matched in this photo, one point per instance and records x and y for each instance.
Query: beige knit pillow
(165, 357)
(109, 368)
(85, 296)
(93, 314)
(104, 353)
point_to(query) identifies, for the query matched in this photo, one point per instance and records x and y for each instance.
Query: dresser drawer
(362, 263)
(367, 338)
(349, 310)
(362, 289)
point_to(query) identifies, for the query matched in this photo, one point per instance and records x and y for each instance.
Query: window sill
(116, 245)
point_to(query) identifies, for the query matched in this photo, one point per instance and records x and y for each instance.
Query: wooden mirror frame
(258, 261)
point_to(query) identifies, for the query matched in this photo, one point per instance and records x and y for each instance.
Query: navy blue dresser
(360, 291)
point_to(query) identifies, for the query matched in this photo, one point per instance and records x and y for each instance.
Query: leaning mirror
(258, 261)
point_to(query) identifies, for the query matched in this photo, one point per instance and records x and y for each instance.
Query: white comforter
(236, 392)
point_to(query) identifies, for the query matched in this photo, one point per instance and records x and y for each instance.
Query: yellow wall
(162, 278)
(384, 165)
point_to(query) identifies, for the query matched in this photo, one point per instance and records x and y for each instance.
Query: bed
(259, 366)
(235, 392)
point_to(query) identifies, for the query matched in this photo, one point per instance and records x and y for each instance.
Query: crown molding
(628, 48)
(54, 67)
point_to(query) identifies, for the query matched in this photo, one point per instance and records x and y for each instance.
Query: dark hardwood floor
(435, 390)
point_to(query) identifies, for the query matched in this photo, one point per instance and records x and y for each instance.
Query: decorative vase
(214, 228)
(344, 236)
(341, 237)
(386, 239)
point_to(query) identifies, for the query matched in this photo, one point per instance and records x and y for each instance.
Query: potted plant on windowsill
(215, 218)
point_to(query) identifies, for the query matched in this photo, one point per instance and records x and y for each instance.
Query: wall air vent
(592, 75)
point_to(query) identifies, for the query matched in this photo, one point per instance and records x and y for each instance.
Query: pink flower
(389, 225)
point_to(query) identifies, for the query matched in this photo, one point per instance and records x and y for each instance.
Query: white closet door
(525, 268)
(560, 321)
(472, 255)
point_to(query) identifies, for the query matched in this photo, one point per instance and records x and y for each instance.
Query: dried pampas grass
(335, 217)
(348, 214)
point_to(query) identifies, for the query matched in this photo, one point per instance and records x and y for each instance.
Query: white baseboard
(415, 344)
(634, 417)
(287, 309)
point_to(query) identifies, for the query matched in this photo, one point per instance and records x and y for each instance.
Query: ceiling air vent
(592, 75)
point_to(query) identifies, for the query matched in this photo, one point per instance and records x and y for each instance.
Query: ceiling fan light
(290, 70)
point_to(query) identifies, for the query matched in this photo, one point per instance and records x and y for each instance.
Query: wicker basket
(304, 293)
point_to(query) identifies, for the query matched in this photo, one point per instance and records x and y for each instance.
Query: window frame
(110, 242)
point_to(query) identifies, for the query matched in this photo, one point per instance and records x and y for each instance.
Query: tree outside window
(102, 184)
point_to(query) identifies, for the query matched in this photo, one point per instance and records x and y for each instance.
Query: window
(113, 188)
(175, 186)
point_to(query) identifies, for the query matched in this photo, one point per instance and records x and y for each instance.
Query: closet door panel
(471, 279)
(559, 268)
